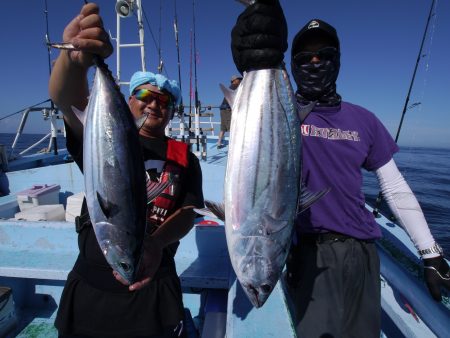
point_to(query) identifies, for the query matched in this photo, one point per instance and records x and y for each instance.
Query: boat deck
(37, 256)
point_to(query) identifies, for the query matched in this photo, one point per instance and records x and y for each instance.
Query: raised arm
(68, 84)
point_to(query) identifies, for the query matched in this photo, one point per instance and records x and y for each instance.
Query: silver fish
(114, 175)
(262, 192)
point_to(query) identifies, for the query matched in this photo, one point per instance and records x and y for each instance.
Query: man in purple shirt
(334, 269)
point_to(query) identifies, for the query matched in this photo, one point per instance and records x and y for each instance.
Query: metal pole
(141, 33)
(118, 48)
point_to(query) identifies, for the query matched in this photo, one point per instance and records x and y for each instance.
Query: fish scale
(114, 175)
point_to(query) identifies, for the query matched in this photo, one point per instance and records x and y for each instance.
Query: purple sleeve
(382, 148)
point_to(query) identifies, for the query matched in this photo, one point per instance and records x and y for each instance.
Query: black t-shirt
(148, 311)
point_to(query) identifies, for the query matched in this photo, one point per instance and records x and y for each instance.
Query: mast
(405, 107)
(124, 9)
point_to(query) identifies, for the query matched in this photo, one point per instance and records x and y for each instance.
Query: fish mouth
(258, 295)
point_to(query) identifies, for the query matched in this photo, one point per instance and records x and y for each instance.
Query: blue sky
(380, 41)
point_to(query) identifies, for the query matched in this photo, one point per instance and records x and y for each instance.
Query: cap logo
(313, 24)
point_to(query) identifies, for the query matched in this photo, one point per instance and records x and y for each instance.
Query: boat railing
(206, 123)
(195, 127)
(48, 113)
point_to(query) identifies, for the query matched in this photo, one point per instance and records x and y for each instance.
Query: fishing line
(419, 103)
(405, 107)
(153, 36)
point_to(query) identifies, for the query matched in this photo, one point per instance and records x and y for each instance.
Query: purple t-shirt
(337, 143)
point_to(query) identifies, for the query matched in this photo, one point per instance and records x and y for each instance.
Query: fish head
(258, 279)
(119, 248)
(258, 261)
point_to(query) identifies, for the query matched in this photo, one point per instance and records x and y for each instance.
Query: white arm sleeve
(404, 206)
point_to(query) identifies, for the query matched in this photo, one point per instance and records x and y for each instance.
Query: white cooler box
(52, 212)
(73, 207)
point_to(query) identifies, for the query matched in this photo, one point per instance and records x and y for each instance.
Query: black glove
(259, 38)
(437, 275)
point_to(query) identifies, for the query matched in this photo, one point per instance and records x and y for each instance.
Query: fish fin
(303, 111)
(81, 115)
(213, 209)
(108, 209)
(154, 189)
(246, 2)
(229, 94)
(205, 212)
(308, 198)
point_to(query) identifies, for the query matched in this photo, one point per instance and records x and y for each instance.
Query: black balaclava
(316, 81)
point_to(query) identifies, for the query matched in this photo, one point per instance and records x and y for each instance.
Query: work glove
(259, 38)
(437, 275)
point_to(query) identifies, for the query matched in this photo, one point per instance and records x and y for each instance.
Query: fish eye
(125, 267)
(266, 288)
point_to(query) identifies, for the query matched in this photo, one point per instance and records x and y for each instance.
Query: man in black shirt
(96, 302)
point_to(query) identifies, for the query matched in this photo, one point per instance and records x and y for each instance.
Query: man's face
(235, 83)
(315, 48)
(156, 104)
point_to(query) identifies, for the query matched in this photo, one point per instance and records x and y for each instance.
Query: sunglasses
(163, 100)
(324, 54)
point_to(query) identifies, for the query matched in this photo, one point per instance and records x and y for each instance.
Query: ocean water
(427, 171)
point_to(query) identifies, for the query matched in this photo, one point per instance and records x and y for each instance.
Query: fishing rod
(197, 102)
(190, 81)
(180, 106)
(160, 62)
(157, 46)
(52, 105)
(405, 107)
(21, 110)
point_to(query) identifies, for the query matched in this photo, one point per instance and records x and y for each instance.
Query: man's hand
(259, 38)
(437, 276)
(150, 262)
(86, 33)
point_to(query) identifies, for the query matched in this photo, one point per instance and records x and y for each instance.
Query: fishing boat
(38, 247)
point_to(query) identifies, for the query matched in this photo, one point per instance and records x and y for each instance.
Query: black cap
(312, 27)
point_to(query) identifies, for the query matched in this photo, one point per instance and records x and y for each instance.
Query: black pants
(337, 293)
(177, 332)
